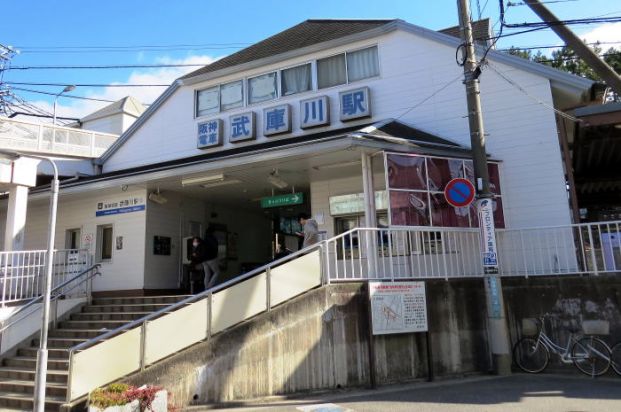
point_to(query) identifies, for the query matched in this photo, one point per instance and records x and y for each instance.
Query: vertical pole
(41, 372)
(268, 288)
(372, 378)
(493, 290)
(16, 218)
(370, 219)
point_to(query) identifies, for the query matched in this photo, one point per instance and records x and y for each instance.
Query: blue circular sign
(459, 192)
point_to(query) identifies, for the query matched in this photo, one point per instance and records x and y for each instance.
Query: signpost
(282, 200)
(459, 192)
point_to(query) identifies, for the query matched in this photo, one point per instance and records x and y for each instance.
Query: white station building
(305, 121)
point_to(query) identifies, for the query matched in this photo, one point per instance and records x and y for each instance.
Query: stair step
(128, 307)
(77, 333)
(108, 316)
(139, 300)
(60, 343)
(27, 387)
(53, 353)
(24, 401)
(28, 362)
(92, 324)
(27, 374)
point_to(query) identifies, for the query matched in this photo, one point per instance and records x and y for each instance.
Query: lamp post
(42, 354)
(65, 90)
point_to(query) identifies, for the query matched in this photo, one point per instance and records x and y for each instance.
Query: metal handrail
(197, 297)
(54, 297)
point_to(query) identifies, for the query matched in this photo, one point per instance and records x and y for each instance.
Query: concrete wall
(568, 299)
(320, 341)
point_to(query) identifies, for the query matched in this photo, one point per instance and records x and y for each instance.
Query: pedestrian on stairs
(310, 233)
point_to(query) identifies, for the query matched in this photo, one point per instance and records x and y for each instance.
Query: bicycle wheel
(615, 358)
(591, 356)
(530, 356)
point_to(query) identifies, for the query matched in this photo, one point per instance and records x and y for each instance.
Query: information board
(398, 307)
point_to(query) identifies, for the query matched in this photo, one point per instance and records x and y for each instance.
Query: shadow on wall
(568, 300)
(320, 341)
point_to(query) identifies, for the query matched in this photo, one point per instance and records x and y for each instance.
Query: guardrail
(145, 341)
(22, 273)
(46, 138)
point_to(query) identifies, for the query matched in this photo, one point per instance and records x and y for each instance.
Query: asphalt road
(520, 392)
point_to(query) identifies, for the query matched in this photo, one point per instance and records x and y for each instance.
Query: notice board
(398, 307)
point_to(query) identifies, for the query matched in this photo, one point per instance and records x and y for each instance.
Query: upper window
(208, 101)
(231, 95)
(361, 64)
(262, 88)
(296, 80)
(331, 71)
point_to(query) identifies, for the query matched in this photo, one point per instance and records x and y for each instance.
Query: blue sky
(69, 23)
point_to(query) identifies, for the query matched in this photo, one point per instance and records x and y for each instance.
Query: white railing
(46, 138)
(425, 252)
(22, 273)
(145, 341)
(403, 253)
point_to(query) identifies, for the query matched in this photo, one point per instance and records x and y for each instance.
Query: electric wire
(86, 84)
(409, 109)
(111, 66)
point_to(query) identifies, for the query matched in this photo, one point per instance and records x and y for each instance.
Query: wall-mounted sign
(161, 245)
(241, 127)
(314, 112)
(115, 207)
(398, 307)
(209, 133)
(355, 104)
(282, 200)
(350, 204)
(277, 120)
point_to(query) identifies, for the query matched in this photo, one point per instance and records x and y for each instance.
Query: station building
(308, 120)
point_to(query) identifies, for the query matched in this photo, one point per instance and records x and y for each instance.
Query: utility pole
(497, 323)
(591, 58)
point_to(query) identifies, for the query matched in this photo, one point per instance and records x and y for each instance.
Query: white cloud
(79, 108)
(607, 32)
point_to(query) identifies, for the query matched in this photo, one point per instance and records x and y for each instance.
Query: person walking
(204, 258)
(310, 233)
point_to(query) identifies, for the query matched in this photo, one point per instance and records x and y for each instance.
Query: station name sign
(120, 206)
(276, 120)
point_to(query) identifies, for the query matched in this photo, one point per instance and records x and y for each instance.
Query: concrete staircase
(17, 373)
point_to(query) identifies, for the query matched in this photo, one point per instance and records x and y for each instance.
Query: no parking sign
(459, 192)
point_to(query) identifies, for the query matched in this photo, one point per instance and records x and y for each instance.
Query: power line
(557, 46)
(546, 24)
(128, 49)
(88, 85)
(71, 96)
(409, 109)
(115, 66)
(142, 46)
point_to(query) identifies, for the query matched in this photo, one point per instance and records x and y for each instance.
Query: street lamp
(65, 90)
(42, 354)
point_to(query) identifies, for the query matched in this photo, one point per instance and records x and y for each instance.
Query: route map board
(398, 307)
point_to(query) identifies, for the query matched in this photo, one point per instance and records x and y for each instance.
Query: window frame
(347, 80)
(313, 77)
(247, 81)
(99, 258)
(196, 108)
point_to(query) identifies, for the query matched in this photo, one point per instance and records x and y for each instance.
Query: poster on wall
(398, 307)
(161, 245)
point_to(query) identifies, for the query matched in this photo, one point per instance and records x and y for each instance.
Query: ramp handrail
(56, 293)
(311, 257)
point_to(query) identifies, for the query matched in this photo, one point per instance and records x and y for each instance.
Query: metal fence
(36, 137)
(428, 252)
(22, 273)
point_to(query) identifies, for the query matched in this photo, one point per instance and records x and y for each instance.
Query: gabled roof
(343, 32)
(128, 105)
(305, 34)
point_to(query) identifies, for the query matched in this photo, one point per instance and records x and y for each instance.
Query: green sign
(282, 200)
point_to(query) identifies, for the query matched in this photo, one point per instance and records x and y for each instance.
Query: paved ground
(520, 392)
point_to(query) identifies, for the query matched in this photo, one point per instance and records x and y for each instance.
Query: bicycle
(589, 354)
(615, 358)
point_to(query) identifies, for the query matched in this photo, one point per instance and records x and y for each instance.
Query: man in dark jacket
(205, 257)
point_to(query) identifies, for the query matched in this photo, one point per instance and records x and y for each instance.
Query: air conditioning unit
(186, 250)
